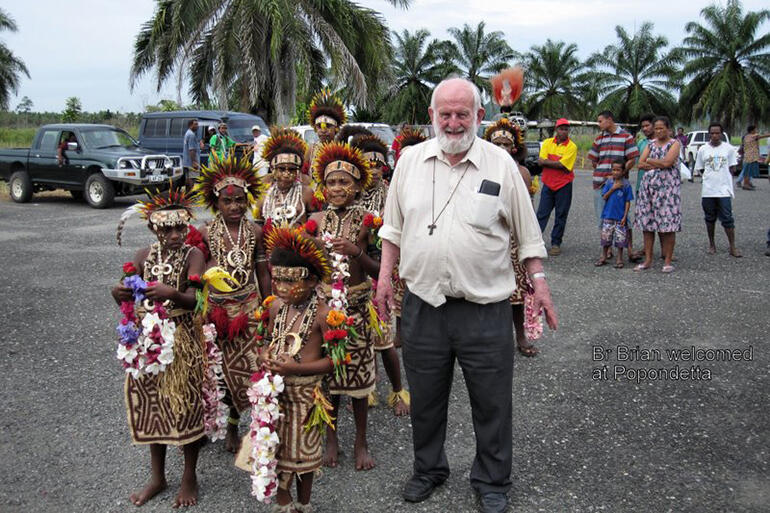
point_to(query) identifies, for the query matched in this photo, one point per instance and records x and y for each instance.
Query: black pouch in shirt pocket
(484, 211)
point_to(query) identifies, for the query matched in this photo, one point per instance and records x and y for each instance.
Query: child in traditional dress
(617, 194)
(297, 324)
(229, 187)
(167, 408)
(344, 173)
(373, 200)
(287, 201)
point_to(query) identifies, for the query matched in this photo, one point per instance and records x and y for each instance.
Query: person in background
(191, 154)
(617, 194)
(751, 158)
(715, 160)
(261, 166)
(221, 144)
(681, 137)
(61, 151)
(557, 157)
(659, 203)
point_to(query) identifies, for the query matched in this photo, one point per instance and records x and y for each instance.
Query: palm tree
(636, 75)
(252, 49)
(478, 55)
(11, 67)
(418, 65)
(727, 74)
(554, 81)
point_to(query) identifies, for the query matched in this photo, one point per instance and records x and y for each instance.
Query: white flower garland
(215, 411)
(265, 414)
(153, 350)
(340, 271)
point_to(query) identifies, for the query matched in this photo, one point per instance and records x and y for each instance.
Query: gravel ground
(580, 444)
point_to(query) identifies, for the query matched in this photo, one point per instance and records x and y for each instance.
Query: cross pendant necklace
(432, 226)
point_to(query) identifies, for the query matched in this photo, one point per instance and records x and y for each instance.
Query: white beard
(454, 146)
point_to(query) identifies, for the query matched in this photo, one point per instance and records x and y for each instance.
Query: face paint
(230, 190)
(293, 292)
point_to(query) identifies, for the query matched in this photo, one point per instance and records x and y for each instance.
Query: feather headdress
(226, 172)
(284, 141)
(165, 208)
(507, 87)
(408, 136)
(327, 104)
(504, 128)
(348, 132)
(336, 156)
(293, 240)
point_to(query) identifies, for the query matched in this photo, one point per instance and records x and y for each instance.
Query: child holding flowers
(298, 329)
(344, 173)
(163, 389)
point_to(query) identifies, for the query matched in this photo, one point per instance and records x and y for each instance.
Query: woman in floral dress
(659, 200)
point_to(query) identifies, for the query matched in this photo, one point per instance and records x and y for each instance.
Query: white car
(381, 130)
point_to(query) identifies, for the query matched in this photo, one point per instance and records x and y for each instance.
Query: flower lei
(265, 414)
(533, 322)
(149, 348)
(215, 411)
(373, 223)
(336, 340)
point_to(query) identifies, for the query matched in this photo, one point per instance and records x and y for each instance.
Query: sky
(85, 49)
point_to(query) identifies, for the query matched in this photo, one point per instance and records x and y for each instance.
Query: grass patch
(16, 137)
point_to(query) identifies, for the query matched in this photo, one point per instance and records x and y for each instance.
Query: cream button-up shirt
(468, 256)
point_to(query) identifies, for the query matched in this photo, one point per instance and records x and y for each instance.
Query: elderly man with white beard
(454, 202)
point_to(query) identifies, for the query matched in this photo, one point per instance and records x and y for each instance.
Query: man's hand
(542, 297)
(283, 364)
(384, 298)
(121, 293)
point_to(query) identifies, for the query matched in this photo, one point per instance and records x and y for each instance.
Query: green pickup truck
(93, 162)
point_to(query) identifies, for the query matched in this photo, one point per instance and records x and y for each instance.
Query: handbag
(684, 171)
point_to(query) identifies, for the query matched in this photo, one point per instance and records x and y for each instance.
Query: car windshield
(107, 138)
(240, 129)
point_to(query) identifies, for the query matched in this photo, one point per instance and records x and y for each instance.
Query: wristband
(535, 276)
(360, 254)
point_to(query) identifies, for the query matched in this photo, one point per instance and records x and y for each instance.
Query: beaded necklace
(281, 328)
(284, 208)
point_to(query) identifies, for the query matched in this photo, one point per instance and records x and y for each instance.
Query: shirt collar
(557, 143)
(474, 152)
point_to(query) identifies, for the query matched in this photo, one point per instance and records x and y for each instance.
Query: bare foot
(400, 408)
(736, 253)
(331, 453)
(153, 488)
(188, 493)
(364, 460)
(712, 250)
(232, 440)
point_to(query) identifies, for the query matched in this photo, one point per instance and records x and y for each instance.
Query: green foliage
(11, 67)
(727, 67)
(477, 55)
(556, 81)
(72, 110)
(164, 106)
(636, 75)
(251, 50)
(16, 137)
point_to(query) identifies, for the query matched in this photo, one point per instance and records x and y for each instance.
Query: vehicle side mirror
(72, 146)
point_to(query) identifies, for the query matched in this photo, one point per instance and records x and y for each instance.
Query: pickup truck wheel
(20, 187)
(99, 192)
(77, 195)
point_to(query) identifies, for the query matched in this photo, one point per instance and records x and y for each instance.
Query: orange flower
(347, 358)
(268, 301)
(377, 222)
(335, 318)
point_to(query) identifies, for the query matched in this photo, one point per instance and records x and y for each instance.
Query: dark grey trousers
(480, 337)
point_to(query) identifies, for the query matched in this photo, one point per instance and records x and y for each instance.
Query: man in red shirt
(557, 157)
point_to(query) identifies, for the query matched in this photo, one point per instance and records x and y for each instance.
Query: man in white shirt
(714, 160)
(453, 204)
(260, 165)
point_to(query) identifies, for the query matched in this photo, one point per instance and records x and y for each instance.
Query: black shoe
(493, 502)
(419, 488)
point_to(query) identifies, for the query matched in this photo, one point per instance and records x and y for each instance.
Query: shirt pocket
(483, 212)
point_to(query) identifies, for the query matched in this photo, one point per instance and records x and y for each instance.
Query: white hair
(471, 85)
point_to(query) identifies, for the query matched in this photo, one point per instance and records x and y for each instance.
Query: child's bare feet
(188, 493)
(735, 253)
(153, 488)
(232, 440)
(712, 250)
(331, 452)
(364, 460)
